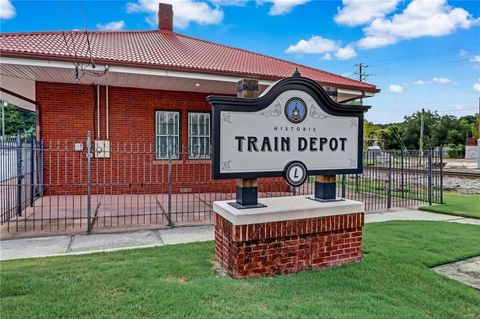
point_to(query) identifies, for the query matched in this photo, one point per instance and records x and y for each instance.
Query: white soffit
(354, 92)
(23, 87)
(55, 71)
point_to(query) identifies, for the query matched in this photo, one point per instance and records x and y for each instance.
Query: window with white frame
(198, 135)
(167, 130)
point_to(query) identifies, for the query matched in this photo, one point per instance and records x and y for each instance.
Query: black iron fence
(20, 178)
(87, 185)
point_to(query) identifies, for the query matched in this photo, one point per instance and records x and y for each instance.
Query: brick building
(136, 87)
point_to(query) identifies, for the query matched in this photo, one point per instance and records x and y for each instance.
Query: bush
(455, 150)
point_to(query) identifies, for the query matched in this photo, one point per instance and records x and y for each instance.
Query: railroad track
(453, 173)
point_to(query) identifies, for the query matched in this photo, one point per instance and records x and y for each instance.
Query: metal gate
(19, 181)
(69, 185)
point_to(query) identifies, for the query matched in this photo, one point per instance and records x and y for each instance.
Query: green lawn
(457, 204)
(393, 281)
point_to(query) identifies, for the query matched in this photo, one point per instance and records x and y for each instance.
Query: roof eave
(52, 57)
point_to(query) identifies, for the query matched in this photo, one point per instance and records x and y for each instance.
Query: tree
(438, 131)
(17, 118)
(369, 133)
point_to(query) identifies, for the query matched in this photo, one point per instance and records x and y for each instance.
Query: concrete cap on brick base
(285, 208)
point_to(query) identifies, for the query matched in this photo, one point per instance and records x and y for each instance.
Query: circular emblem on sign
(295, 110)
(295, 173)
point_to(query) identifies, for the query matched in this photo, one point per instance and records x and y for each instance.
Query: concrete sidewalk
(84, 244)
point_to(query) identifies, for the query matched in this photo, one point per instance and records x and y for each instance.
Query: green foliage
(438, 131)
(18, 119)
(455, 150)
(394, 280)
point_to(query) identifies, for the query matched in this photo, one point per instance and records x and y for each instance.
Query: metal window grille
(199, 135)
(167, 123)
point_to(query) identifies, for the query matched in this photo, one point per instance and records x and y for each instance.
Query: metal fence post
(40, 169)
(430, 177)
(357, 185)
(169, 153)
(19, 172)
(389, 190)
(344, 184)
(89, 183)
(441, 175)
(402, 186)
(32, 169)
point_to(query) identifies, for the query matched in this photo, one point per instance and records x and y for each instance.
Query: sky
(420, 53)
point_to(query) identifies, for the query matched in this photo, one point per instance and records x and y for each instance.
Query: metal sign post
(247, 188)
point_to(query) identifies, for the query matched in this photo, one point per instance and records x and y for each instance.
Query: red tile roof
(165, 50)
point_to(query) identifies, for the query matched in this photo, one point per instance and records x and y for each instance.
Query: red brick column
(283, 247)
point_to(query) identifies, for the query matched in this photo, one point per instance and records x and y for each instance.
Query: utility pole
(421, 131)
(361, 74)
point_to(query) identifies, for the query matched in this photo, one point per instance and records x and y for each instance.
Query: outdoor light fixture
(197, 84)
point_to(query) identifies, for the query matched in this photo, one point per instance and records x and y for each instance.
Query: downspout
(98, 111)
(106, 111)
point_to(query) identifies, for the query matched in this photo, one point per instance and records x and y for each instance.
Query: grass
(457, 204)
(393, 281)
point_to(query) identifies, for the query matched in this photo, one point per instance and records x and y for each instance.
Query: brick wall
(68, 112)
(284, 247)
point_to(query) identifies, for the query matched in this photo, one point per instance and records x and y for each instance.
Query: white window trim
(207, 136)
(176, 153)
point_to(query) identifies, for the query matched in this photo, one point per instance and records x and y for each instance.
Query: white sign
(291, 123)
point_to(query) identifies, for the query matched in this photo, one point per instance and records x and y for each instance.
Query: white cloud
(396, 88)
(346, 53)
(327, 56)
(185, 12)
(235, 3)
(112, 26)
(420, 18)
(316, 44)
(463, 53)
(347, 74)
(280, 7)
(7, 10)
(476, 86)
(441, 80)
(320, 45)
(475, 58)
(358, 12)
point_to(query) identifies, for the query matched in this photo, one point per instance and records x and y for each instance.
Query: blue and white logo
(295, 110)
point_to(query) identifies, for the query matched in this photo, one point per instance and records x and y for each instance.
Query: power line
(421, 55)
(85, 24)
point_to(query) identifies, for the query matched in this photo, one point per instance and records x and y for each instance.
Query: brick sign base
(283, 247)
